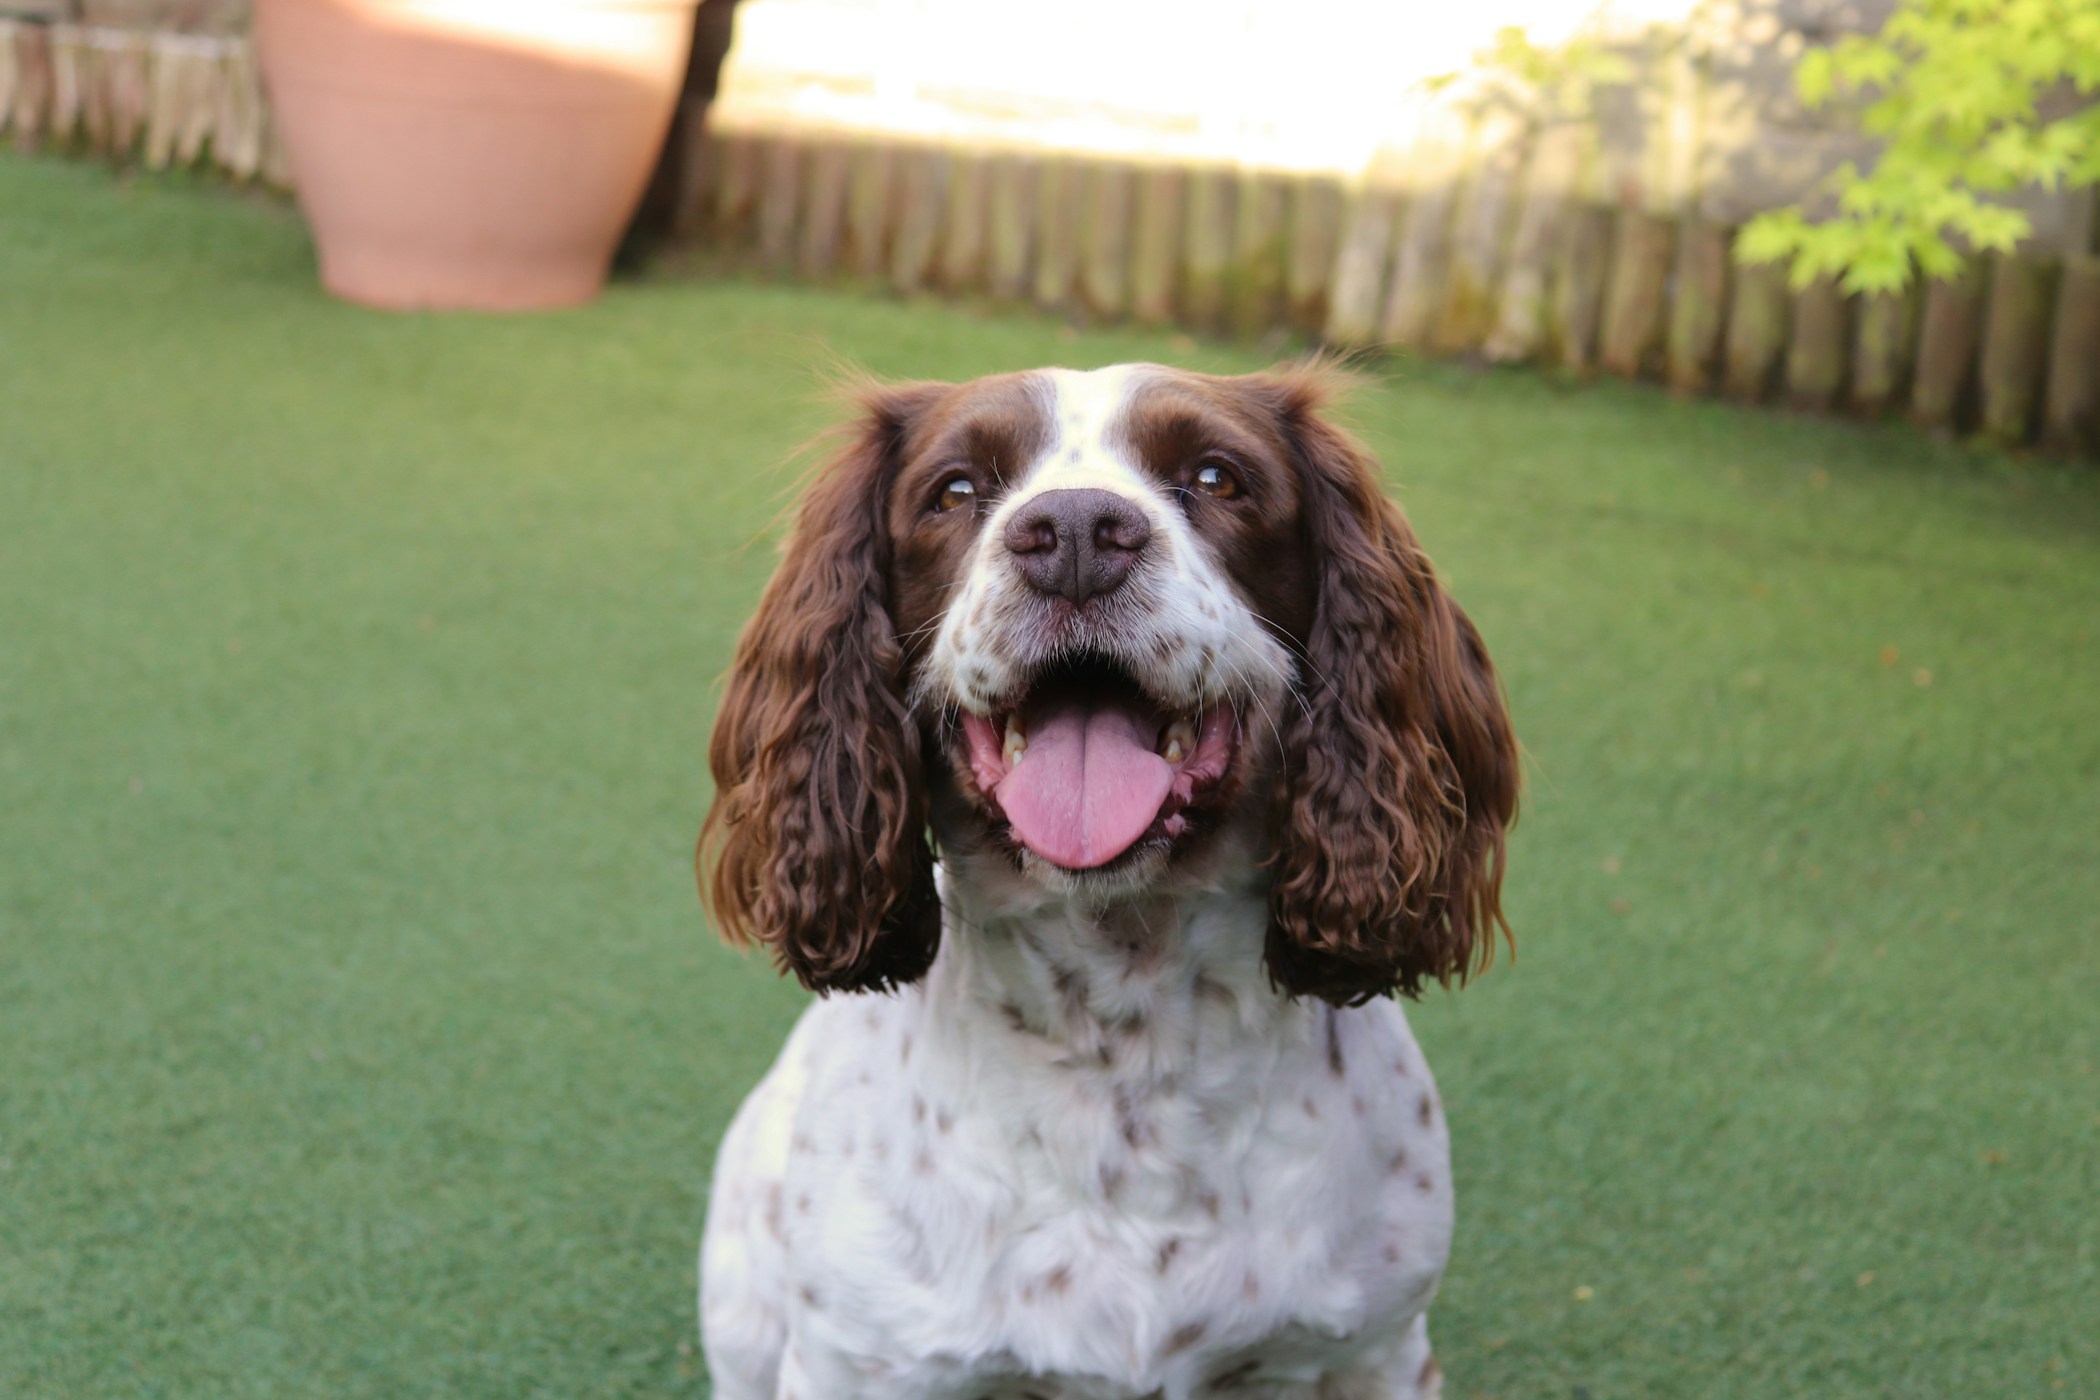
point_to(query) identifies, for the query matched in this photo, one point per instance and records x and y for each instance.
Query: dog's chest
(1255, 1213)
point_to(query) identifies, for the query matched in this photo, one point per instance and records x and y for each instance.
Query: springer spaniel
(1108, 748)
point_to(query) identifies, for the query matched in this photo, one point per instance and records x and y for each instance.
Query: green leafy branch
(1961, 95)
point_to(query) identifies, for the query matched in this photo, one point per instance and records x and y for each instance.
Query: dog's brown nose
(1078, 543)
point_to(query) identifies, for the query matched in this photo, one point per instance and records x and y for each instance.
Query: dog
(1106, 753)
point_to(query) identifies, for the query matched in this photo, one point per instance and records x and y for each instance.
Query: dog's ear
(1400, 768)
(817, 844)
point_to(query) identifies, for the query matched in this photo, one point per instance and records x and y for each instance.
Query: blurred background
(1738, 363)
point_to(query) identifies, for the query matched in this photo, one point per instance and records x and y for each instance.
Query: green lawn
(360, 1034)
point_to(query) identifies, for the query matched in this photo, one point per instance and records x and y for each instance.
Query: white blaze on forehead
(1086, 406)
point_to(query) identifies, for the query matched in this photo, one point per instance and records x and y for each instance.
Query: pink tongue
(1086, 787)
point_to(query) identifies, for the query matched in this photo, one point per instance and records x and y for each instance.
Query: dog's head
(1085, 624)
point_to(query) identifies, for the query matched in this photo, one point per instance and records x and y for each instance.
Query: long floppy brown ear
(817, 843)
(1400, 767)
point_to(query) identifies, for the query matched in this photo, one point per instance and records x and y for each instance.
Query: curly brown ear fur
(817, 844)
(1400, 768)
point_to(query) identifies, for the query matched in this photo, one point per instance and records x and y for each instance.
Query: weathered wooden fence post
(1104, 233)
(1948, 330)
(2071, 408)
(1757, 332)
(1010, 225)
(1818, 347)
(1209, 221)
(1885, 339)
(1359, 266)
(1057, 232)
(1259, 246)
(2015, 351)
(1699, 308)
(1155, 254)
(1315, 228)
(963, 234)
(828, 171)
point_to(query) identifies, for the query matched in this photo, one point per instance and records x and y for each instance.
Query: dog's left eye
(957, 493)
(1217, 480)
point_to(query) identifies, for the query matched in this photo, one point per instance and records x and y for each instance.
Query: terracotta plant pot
(471, 153)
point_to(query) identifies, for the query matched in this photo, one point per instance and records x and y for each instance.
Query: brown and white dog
(1110, 741)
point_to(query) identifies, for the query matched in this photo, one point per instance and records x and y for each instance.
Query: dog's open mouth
(1085, 766)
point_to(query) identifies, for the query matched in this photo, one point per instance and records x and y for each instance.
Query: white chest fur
(1082, 1159)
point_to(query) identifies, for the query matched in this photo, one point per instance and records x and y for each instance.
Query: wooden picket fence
(162, 99)
(1496, 257)
(1499, 262)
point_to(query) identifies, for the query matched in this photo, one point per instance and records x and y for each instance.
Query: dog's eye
(1217, 480)
(957, 492)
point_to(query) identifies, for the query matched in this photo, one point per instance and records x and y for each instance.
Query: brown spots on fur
(808, 1296)
(1335, 1065)
(1312, 1109)
(802, 1204)
(1111, 1181)
(1427, 1110)
(1015, 1021)
(1184, 1337)
(918, 1109)
(923, 1163)
(943, 1120)
(1136, 1129)
(1242, 1374)
(1250, 1288)
(773, 1209)
(1208, 1203)
(1392, 1251)
(1424, 1183)
(1358, 1107)
(1167, 1250)
(1071, 987)
(1399, 1162)
(804, 1145)
(1429, 1375)
(1058, 1281)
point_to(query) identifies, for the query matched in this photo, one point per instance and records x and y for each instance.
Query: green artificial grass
(360, 1034)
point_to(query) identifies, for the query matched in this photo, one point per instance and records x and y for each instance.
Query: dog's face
(1081, 624)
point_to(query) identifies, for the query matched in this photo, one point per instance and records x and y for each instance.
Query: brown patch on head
(1177, 425)
(988, 431)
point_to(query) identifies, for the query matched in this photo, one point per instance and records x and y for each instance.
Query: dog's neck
(1143, 986)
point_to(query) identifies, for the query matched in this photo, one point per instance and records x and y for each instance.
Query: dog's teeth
(1016, 741)
(1180, 741)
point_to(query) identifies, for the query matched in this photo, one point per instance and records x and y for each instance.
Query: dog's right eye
(957, 493)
